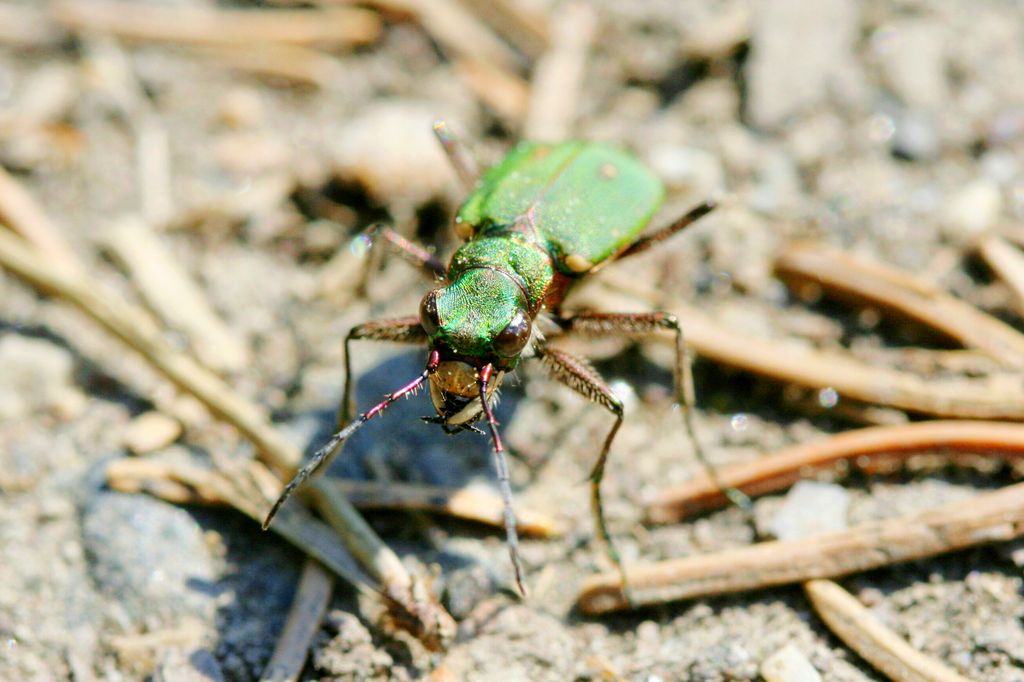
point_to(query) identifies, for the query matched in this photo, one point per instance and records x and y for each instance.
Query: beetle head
(480, 318)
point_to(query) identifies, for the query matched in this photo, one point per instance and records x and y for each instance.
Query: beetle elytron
(535, 224)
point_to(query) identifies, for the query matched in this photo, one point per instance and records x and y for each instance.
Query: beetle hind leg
(580, 376)
(645, 242)
(642, 324)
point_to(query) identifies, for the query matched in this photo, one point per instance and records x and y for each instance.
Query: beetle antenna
(465, 166)
(501, 464)
(324, 454)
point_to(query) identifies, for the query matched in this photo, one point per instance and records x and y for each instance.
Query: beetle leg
(504, 482)
(333, 445)
(400, 330)
(407, 249)
(641, 324)
(580, 376)
(647, 241)
(465, 165)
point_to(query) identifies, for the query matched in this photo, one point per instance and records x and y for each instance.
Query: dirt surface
(889, 129)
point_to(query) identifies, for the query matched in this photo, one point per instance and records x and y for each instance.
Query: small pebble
(350, 653)
(151, 431)
(811, 507)
(689, 168)
(788, 664)
(786, 76)
(34, 375)
(912, 55)
(973, 210)
(915, 136)
(466, 587)
(241, 107)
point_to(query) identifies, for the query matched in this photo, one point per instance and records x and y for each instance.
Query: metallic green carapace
(576, 198)
(545, 211)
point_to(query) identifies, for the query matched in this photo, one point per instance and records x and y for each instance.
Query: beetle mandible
(536, 223)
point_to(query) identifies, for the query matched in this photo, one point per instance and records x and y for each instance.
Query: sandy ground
(889, 129)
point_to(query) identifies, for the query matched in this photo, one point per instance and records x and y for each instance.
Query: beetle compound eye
(428, 314)
(514, 336)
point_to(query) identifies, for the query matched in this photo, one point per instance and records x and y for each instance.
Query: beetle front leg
(580, 376)
(642, 324)
(400, 330)
(409, 250)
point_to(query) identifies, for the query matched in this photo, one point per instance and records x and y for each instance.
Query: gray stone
(466, 587)
(350, 653)
(800, 53)
(912, 55)
(150, 557)
(179, 665)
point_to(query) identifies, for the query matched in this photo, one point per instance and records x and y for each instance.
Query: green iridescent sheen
(541, 204)
(585, 199)
(510, 253)
(474, 308)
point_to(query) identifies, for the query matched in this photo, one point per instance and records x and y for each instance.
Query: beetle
(535, 224)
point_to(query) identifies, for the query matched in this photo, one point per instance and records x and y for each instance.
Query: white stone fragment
(34, 375)
(789, 665)
(973, 209)
(811, 507)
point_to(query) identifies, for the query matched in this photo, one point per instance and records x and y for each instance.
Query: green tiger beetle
(535, 224)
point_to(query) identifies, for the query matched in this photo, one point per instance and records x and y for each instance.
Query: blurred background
(242, 146)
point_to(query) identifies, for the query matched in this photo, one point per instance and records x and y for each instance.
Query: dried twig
(487, 65)
(844, 276)
(294, 63)
(240, 487)
(116, 75)
(889, 653)
(472, 504)
(26, 26)
(307, 611)
(159, 477)
(522, 27)
(505, 93)
(794, 363)
(1006, 261)
(174, 296)
(558, 75)
(136, 329)
(780, 470)
(989, 517)
(456, 30)
(22, 213)
(344, 26)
